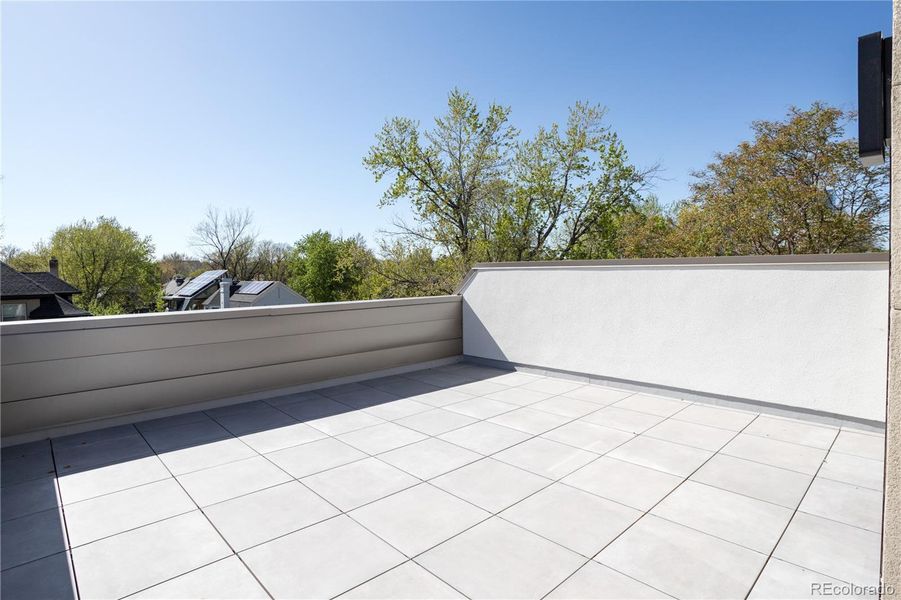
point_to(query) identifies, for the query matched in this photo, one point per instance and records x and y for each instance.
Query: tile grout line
(648, 511)
(62, 512)
(791, 519)
(436, 436)
(216, 529)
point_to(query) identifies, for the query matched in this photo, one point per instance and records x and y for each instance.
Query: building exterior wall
(80, 371)
(808, 335)
(891, 531)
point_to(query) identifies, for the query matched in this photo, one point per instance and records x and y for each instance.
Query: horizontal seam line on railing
(273, 364)
(235, 341)
(448, 299)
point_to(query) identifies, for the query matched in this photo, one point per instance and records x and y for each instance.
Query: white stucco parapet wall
(806, 332)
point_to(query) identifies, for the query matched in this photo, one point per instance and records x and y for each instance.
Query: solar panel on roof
(253, 287)
(200, 282)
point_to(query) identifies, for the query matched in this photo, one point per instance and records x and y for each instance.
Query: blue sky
(151, 111)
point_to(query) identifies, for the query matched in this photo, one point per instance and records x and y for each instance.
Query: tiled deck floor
(456, 481)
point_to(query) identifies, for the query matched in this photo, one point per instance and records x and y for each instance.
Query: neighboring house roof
(54, 307)
(18, 285)
(51, 282)
(257, 293)
(43, 285)
(173, 286)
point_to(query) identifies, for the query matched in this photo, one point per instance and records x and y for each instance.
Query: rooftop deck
(457, 481)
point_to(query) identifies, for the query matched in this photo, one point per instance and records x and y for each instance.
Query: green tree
(796, 188)
(325, 268)
(479, 192)
(112, 265)
(405, 271)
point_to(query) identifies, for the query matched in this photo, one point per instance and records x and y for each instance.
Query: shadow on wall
(62, 499)
(478, 342)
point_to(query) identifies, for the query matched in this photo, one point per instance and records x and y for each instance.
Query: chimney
(180, 279)
(54, 266)
(225, 290)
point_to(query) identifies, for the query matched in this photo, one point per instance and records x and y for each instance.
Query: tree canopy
(112, 265)
(480, 191)
(797, 188)
(326, 268)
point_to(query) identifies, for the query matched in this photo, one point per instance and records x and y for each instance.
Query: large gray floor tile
(683, 562)
(515, 378)
(481, 408)
(435, 421)
(75, 487)
(203, 456)
(264, 515)
(553, 385)
(359, 483)
(653, 405)
(403, 387)
(321, 561)
(753, 479)
(594, 581)
(566, 407)
(227, 579)
(795, 457)
(860, 444)
(598, 394)
(429, 458)
(546, 458)
(668, 457)
(114, 513)
(626, 420)
(789, 582)
(491, 484)
(794, 431)
(262, 417)
(314, 457)
(345, 422)
(497, 559)
(748, 522)
(519, 396)
(86, 438)
(233, 479)
(31, 537)
(277, 438)
(733, 420)
(418, 518)
(381, 438)
(26, 462)
(529, 420)
(409, 581)
(440, 397)
(843, 502)
(49, 577)
(841, 551)
(484, 437)
(362, 397)
(172, 421)
(588, 436)
(480, 387)
(129, 562)
(185, 435)
(624, 482)
(28, 497)
(855, 470)
(398, 409)
(575, 519)
(103, 451)
(691, 434)
(312, 407)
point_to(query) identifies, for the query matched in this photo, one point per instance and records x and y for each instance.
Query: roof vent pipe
(225, 289)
